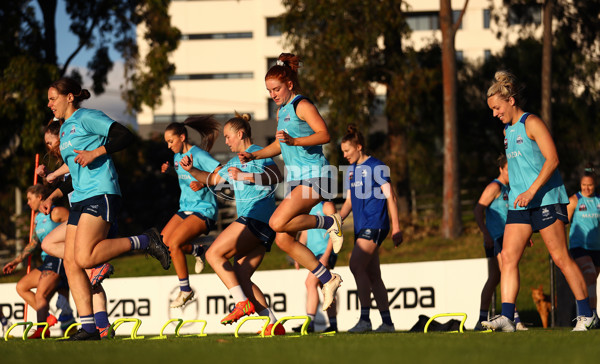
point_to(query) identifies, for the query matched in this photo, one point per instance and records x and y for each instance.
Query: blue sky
(110, 102)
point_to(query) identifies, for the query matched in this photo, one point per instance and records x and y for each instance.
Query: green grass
(534, 346)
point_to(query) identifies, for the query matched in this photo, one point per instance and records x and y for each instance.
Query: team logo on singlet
(598, 206)
(519, 140)
(505, 196)
(582, 207)
(62, 134)
(176, 165)
(505, 143)
(287, 118)
(44, 220)
(72, 130)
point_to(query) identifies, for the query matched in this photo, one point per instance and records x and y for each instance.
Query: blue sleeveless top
(584, 231)
(525, 162)
(495, 214)
(300, 162)
(43, 226)
(317, 239)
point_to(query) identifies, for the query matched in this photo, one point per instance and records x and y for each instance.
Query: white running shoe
(521, 327)
(361, 326)
(335, 233)
(499, 322)
(386, 328)
(199, 266)
(585, 323)
(329, 289)
(183, 298)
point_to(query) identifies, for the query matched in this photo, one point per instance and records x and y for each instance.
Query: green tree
(28, 60)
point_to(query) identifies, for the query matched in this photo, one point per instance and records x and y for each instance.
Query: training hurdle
(117, 323)
(462, 322)
(303, 330)
(248, 318)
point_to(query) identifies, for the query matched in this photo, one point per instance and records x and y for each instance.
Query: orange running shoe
(38, 333)
(241, 309)
(279, 330)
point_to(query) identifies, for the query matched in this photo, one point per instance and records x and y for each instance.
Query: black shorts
(497, 249)
(375, 235)
(540, 217)
(210, 223)
(582, 252)
(53, 264)
(261, 230)
(105, 206)
(323, 186)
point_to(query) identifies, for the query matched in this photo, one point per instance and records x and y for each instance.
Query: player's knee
(83, 261)
(277, 224)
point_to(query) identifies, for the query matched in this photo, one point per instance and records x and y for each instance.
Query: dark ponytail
(206, 125)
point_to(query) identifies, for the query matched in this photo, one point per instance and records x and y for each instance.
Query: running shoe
(51, 320)
(199, 266)
(241, 309)
(100, 273)
(361, 326)
(335, 233)
(330, 329)
(521, 327)
(157, 248)
(310, 328)
(83, 335)
(329, 289)
(279, 330)
(499, 322)
(479, 327)
(585, 323)
(65, 324)
(183, 298)
(38, 333)
(385, 328)
(106, 333)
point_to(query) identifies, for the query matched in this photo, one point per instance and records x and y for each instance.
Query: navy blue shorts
(53, 264)
(322, 185)
(105, 206)
(540, 217)
(261, 230)
(493, 252)
(582, 252)
(331, 261)
(210, 223)
(375, 235)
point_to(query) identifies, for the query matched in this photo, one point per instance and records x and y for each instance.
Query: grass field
(534, 346)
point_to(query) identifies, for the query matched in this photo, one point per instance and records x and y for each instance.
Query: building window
(486, 19)
(238, 35)
(180, 118)
(459, 56)
(456, 15)
(273, 27)
(272, 109)
(271, 62)
(212, 76)
(525, 14)
(486, 54)
(423, 21)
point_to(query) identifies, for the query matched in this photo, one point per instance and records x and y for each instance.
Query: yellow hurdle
(162, 335)
(283, 320)
(75, 324)
(247, 318)
(462, 322)
(201, 334)
(117, 323)
(28, 325)
(46, 328)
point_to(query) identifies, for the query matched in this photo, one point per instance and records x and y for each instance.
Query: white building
(227, 46)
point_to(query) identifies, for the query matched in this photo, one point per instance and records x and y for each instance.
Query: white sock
(268, 312)
(238, 294)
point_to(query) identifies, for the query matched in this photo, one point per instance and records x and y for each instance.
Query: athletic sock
(517, 318)
(583, 306)
(101, 319)
(88, 324)
(62, 303)
(508, 310)
(364, 313)
(333, 323)
(139, 242)
(184, 285)
(197, 250)
(324, 222)
(322, 273)
(483, 315)
(386, 317)
(238, 294)
(268, 312)
(4, 321)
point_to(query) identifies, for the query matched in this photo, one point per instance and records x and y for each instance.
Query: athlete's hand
(10, 267)
(45, 206)
(397, 238)
(284, 137)
(197, 186)
(51, 177)
(165, 166)
(235, 173)
(85, 157)
(523, 199)
(245, 157)
(187, 163)
(41, 171)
